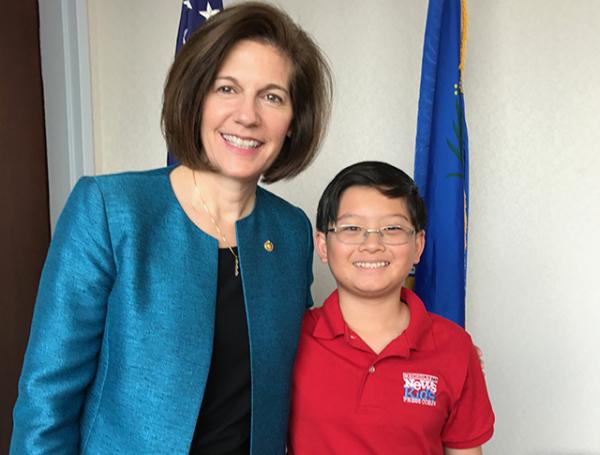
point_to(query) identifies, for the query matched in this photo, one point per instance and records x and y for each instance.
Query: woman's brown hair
(195, 68)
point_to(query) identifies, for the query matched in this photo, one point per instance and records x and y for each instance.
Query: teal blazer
(122, 332)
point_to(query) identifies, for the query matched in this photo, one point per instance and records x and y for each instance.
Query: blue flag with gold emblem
(441, 161)
(193, 14)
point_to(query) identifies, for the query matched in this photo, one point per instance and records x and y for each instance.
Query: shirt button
(372, 369)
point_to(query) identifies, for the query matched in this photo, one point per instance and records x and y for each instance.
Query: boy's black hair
(388, 179)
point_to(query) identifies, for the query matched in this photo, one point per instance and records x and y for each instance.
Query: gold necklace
(218, 229)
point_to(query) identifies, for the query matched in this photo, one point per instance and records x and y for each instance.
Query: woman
(170, 303)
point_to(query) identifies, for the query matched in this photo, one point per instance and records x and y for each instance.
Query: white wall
(533, 86)
(131, 47)
(532, 89)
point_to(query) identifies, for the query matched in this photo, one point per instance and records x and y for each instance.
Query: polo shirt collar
(331, 322)
(418, 335)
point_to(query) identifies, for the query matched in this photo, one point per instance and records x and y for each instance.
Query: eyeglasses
(353, 234)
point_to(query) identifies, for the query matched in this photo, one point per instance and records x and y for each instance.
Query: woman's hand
(473, 451)
(480, 354)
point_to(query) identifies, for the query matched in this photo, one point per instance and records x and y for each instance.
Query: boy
(375, 372)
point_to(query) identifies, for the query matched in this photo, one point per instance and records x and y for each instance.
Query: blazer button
(268, 246)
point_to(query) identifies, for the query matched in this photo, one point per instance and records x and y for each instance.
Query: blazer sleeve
(309, 264)
(67, 327)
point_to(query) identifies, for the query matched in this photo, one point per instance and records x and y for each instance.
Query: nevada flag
(441, 161)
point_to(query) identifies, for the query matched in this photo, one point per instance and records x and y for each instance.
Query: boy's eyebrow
(353, 215)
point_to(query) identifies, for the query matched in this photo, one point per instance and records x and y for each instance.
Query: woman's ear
(321, 245)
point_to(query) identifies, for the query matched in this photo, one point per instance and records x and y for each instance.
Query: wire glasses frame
(353, 234)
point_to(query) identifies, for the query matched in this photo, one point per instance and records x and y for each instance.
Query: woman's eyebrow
(276, 87)
(270, 86)
(228, 78)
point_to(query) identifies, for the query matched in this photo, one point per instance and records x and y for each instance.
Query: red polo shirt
(423, 392)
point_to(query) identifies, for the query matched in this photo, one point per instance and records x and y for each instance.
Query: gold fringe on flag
(464, 25)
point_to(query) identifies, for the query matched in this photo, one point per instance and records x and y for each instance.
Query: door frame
(64, 47)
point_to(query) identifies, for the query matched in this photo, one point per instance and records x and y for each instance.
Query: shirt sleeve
(67, 327)
(471, 420)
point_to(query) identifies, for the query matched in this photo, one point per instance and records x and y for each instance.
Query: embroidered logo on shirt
(420, 388)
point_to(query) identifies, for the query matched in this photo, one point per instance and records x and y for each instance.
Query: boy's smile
(371, 265)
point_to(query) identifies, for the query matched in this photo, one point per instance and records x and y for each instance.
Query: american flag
(193, 14)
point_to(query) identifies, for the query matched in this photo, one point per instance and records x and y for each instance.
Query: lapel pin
(268, 246)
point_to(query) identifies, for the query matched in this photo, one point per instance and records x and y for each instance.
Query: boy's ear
(420, 240)
(321, 245)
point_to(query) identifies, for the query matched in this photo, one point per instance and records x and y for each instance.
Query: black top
(223, 426)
